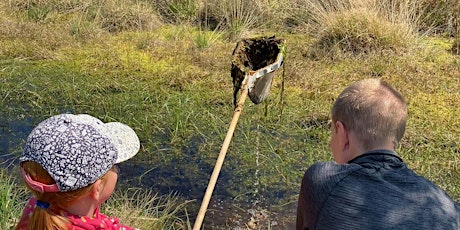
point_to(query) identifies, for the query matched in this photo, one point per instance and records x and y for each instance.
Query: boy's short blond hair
(373, 110)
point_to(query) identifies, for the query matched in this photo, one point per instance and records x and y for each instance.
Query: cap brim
(125, 140)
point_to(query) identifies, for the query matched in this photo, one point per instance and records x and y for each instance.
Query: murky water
(177, 175)
(13, 133)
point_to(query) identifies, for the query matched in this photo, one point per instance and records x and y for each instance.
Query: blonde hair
(373, 110)
(45, 219)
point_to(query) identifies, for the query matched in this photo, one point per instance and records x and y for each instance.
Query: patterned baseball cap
(77, 150)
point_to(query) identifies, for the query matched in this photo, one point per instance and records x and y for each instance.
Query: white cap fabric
(76, 150)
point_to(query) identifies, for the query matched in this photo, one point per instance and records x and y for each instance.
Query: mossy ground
(178, 98)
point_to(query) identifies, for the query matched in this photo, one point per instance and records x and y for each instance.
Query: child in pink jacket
(69, 164)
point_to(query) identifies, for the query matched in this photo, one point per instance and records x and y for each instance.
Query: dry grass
(359, 27)
(239, 16)
(120, 15)
(440, 17)
(177, 11)
(456, 46)
(111, 16)
(145, 210)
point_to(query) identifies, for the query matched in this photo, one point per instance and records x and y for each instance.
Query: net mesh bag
(249, 56)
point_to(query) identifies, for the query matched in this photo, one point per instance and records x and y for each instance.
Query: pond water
(224, 210)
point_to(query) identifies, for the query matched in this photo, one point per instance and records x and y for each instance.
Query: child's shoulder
(99, 220)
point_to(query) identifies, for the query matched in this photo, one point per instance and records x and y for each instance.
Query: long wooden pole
(220, 159)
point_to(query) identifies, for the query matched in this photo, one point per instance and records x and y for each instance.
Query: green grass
(172, 84)
(135, 206)
(11, 200)
(146, 210)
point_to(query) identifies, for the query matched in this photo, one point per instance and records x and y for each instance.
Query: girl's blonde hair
(45, 219)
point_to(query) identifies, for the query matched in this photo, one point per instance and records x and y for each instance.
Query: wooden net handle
(220, 159)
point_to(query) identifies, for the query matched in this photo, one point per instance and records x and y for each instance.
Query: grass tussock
(237, 17)
(117, 16)
(177, 11)
(359, 32)
(359, 27)
(111, 16)
(74, 22)
(440, 17)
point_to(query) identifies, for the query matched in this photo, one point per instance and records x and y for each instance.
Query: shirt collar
(383, 153)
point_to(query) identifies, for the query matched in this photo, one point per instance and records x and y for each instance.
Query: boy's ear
(342, 133)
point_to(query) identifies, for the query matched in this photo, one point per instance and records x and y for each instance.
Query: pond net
(257, 59)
